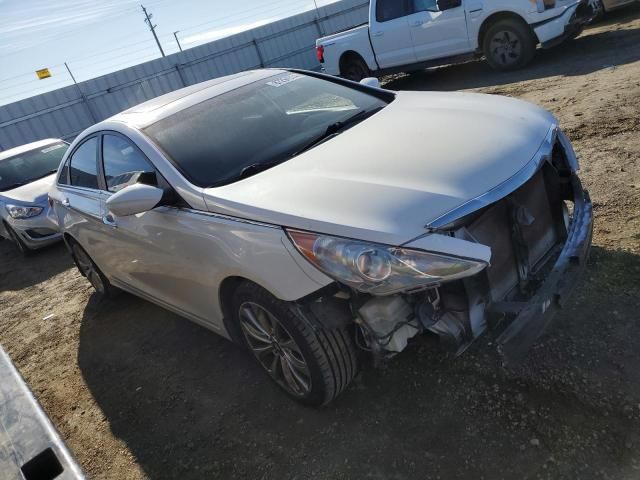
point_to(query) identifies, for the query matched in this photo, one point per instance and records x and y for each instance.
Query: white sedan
(318, 221)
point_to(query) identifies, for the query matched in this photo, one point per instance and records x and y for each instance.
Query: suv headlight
(20, 211)
(380, 269)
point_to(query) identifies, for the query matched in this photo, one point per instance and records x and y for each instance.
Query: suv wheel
(509, 45)
(91, 271)
(312, 364)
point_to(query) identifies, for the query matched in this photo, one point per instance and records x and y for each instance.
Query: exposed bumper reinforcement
(534, 316)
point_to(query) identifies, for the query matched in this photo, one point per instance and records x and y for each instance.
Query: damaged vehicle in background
(26, 174)
(318, 221)
(411, 35)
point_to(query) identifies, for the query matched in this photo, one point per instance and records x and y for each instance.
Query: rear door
(81, 201)
(436, 33)
(390, 35)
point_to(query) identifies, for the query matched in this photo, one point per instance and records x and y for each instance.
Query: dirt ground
(138, 392)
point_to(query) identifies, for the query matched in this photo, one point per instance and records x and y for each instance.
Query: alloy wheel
(506, 48)
(275, 349)
(88, 269)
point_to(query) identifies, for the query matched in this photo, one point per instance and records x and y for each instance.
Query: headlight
(19, 211)
(380, 269)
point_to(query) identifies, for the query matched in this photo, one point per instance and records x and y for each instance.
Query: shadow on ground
(594, 50)
(189, 404)
(18, 272)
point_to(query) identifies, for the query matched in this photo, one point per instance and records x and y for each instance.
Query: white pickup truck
(405, 35)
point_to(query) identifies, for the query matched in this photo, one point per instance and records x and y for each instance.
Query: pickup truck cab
(405, 35)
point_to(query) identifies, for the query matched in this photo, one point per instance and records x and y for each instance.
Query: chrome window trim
(505, 188)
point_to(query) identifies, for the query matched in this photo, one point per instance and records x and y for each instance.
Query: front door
(435, 33)
(390, 35)
(154, 253)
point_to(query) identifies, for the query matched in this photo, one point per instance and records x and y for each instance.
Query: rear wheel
(354, 68)
(17, 241)
(509, 45)
(311, 364)
(90, 270)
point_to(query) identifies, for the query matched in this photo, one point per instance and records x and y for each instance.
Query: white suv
(314, 219)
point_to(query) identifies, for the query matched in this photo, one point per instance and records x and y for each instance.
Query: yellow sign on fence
(44, 73)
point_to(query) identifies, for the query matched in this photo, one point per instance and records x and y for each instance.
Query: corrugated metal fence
(65, 112)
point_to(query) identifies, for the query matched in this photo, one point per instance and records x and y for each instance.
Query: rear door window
(124, 164)
(390, 9)
(83, 167)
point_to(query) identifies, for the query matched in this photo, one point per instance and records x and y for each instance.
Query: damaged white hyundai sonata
(318, 221)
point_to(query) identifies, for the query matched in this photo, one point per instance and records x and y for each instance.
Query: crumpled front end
(568, 24)
(538, 226)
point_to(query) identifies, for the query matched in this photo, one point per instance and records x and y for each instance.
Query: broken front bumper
(567, 25)
(533, 316)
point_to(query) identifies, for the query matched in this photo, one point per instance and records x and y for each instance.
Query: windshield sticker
(284, 80)
(52, 148)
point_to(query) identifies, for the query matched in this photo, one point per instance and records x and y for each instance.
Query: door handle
(378, 34)
(66, 202)
(109, 221)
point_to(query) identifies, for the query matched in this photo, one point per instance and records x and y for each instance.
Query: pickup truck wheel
(311, 364)
(509, 45)
(355, 69)
(90, 270)
(17, 241)
(598, 10)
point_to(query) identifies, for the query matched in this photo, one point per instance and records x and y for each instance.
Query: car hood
(386, 178)
(31, 193)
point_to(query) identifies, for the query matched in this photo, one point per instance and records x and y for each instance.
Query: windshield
(247, 130)
(29, 166)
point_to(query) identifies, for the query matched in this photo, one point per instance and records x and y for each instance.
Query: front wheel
(509, 45)
(598, 10)
(17, 241)
(311, 364)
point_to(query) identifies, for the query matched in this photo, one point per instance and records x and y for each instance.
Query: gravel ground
(138, 392)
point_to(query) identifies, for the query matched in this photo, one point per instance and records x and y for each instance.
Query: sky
(98, 37)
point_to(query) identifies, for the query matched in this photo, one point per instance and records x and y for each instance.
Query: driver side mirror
(371, 82)
(449, 4)
(134, 199)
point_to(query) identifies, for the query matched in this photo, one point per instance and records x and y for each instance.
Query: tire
(17, 241)
(313, 365)
(354, 68)
(91, 272)
(598, 10)
(509, 45)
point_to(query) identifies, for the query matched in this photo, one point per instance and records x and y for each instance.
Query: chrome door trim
(83, 192)
(502, 190)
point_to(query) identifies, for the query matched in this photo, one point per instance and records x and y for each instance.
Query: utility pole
(152, 27)
(175, 34)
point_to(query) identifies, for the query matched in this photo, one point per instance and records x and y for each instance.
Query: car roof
(151, 111)
(12, 152)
